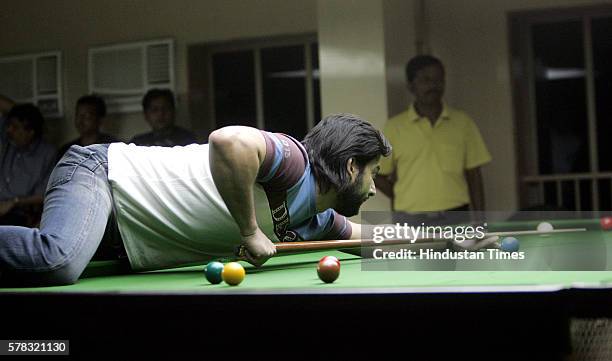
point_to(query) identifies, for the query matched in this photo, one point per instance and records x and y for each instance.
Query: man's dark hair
(157, 93)
(29, 116)
(336, 139)
(419, 62)
(94, 101)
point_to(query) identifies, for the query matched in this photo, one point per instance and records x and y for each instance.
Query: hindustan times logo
(404, 231)
(447, 254)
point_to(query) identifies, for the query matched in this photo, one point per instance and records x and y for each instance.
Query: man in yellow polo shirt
(437, 152)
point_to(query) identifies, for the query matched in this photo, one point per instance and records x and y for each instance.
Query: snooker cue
(105, 268)
(308, 246)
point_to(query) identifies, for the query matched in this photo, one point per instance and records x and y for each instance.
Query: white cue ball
(545, 227)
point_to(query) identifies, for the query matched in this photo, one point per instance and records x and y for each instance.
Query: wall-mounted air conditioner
(123, 73)
(34, 78)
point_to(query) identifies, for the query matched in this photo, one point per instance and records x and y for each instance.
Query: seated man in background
(90, 110)
(158, 107)
(26, 161)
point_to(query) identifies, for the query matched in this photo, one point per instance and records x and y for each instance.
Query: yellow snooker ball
(233, 273)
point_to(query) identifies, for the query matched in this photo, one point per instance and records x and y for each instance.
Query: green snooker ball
(213, 272)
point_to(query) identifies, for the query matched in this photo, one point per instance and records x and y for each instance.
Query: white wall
(352, 58)
(74, 25)
(400, 45)
(471, 37)
(352, 64)
(362, 46)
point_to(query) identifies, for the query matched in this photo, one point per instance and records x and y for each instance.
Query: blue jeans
(78, 206)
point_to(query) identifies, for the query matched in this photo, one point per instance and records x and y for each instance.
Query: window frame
(256, 45)
(523, 97)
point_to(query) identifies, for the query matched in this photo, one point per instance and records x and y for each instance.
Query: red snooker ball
(606, 223)
(328, 269)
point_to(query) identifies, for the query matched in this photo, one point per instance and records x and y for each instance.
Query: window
(268, 84)
(34, 78)
(562, 85)
(234, 88)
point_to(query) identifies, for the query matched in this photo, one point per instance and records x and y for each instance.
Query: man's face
(361, 188)
(159, 114)
(86, 119)
(428, 85)
(18, 134)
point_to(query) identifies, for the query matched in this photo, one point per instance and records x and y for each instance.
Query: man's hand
(258, 248)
